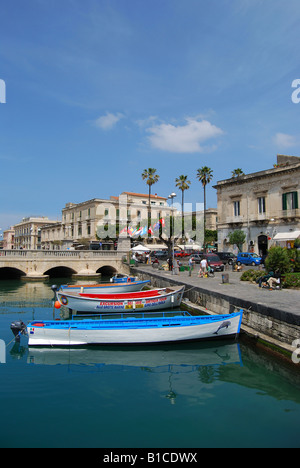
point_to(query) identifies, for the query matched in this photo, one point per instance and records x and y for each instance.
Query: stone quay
(270, 316)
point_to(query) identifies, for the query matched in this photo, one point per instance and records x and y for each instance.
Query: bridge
(39, 265)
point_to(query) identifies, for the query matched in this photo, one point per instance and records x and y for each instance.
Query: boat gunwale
(134, 323)
(127, 296)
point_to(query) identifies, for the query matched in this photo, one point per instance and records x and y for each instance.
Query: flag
(130, 231)
(138, 231)
(144, 231)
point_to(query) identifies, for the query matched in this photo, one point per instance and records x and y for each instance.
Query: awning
(140, 248)
(287, 236)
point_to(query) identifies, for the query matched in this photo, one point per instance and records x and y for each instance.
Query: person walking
(203, 268)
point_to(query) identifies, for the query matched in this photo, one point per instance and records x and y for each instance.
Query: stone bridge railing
(62, 253)
(35, 264)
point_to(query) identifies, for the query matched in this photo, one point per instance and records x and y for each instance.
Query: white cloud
(188, 138)
(283, 140)
(108, 121)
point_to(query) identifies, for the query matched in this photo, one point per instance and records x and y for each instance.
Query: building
(264, 205)
(28, 232)
(90, 221)
(9, 239)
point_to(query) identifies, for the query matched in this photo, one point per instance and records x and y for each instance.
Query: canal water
(185, 396)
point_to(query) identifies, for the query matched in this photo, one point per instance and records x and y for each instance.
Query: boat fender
(128, 280)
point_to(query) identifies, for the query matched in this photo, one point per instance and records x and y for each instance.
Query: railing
(79, 254)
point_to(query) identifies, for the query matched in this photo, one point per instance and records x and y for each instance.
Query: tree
(237, 172)
(204, 175)
(183, 184)
(151, 178)
(278, 259)
(237, 237)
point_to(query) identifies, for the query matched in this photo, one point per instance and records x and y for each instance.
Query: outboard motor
(18, 328)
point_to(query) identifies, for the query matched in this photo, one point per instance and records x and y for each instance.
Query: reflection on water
(31, 294)
(178, 365)
(186, 395)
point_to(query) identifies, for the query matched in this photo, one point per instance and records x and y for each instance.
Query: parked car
(248, 258)
(159, 254)
(227, 257)
(212, 259)
(181, 253)
(197, 258)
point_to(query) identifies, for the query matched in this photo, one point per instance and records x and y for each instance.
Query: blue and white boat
(137, 329)
(118, 284)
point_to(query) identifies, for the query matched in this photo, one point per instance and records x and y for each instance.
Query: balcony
(235, 219)
(290, 214)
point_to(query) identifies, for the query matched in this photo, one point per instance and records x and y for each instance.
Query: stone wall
(276, 326)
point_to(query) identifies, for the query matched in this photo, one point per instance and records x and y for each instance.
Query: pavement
(283, 302)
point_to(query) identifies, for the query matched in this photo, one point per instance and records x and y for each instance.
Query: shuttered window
(290, 201)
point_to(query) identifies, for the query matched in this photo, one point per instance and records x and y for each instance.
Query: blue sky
(99, 90)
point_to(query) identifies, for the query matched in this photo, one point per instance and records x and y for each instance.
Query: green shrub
(252, 275)
(278, 259)
(291, 280)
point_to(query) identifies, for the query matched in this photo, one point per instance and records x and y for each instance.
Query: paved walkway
(285, 300)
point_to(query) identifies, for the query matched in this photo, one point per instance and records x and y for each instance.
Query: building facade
(9, 239)
(28, 232)
(264, 205)
(90, 221)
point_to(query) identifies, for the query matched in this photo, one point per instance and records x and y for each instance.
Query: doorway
(262, 242)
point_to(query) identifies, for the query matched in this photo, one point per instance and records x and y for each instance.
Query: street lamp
(171, 197)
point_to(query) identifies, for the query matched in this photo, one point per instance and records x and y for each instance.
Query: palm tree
(151, 178)
(237, 172)
(183, 184)
(204, 175)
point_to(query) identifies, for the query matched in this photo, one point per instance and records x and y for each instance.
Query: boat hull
(117, 287)
(145, 301)
(135, 331)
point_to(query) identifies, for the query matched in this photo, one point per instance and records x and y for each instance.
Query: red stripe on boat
(133, 295)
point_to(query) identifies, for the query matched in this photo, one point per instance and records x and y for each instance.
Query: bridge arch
(107, 270)
(11, 273)
(60, 272)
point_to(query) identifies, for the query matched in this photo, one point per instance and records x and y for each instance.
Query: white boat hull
(105, 288)
(108, 304)
(133, 330)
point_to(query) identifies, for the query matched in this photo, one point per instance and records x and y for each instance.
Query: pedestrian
(191, 265)
(203, 268)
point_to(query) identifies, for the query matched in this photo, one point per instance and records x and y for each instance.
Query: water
(184, 396)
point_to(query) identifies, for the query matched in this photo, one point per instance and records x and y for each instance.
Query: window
(290, 201)
(236, 208)
(106, 212)
(261, 205)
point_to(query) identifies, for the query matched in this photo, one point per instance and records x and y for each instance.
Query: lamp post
(171, 197)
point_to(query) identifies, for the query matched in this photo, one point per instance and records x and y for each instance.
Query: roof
(133, 194)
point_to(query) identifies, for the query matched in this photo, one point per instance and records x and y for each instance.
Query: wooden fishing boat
(154, 299)
(143, 329)
(117, 285)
